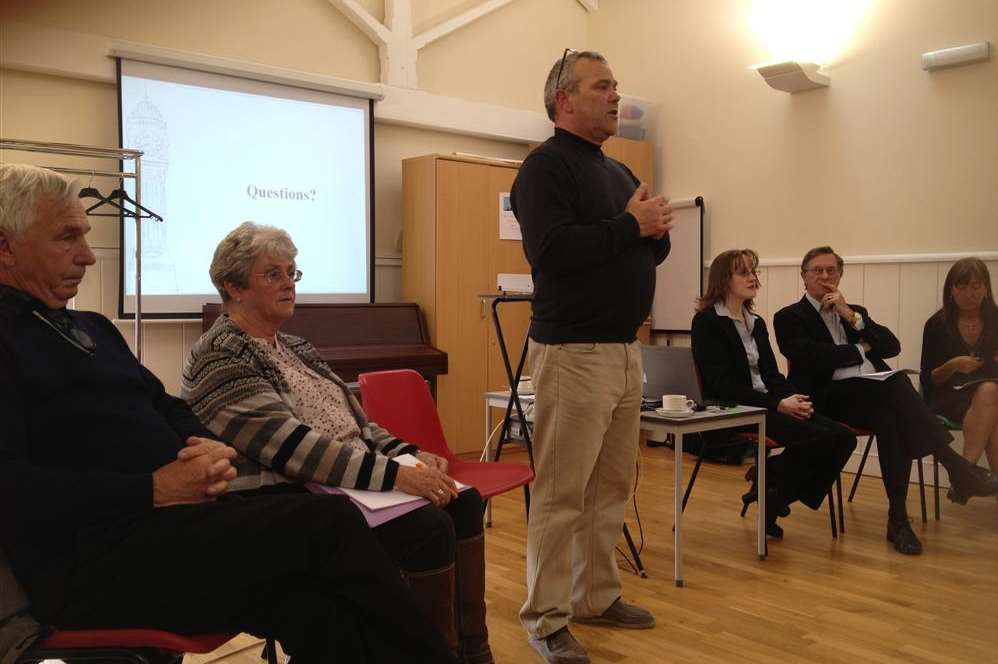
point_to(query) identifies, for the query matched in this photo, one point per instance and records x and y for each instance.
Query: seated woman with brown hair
(269, 395)
(736, 362)
(960, 361)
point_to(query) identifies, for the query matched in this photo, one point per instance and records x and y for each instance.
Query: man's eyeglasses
(277, 275)
(830, 271)
(561, 67)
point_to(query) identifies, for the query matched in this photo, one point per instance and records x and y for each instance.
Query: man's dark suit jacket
(720, 356)
(806, 342)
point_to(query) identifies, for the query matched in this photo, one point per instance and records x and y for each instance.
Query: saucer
(685, 412)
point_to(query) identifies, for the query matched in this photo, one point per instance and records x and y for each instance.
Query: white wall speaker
(958, 55)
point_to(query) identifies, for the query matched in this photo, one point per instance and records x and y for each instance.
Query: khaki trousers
(586, 421)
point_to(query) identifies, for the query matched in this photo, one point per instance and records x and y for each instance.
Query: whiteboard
(679, 280)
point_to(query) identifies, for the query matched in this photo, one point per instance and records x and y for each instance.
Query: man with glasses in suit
(113, 505)
(831, 345)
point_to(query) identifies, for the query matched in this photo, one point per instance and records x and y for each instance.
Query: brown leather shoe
(560, 648)
(621, 614)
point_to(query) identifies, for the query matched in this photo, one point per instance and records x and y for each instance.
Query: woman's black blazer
(720, 357)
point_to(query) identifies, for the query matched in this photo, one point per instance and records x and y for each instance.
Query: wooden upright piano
(354, 338)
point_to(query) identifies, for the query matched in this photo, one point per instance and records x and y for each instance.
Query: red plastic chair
(400, 401)
(141, 646)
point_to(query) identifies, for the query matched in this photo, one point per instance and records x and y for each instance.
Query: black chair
(774, 444)
(870, 437)
(671, 369)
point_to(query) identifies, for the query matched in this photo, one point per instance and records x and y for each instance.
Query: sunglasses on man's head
(561, 67)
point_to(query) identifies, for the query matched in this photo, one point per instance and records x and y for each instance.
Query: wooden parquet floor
(815, 599)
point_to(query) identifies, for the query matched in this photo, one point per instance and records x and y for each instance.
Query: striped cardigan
(238, 393)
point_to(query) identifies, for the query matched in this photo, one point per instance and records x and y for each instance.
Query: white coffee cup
(677, 402)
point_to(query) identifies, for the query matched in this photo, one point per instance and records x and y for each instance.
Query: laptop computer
(668, 370)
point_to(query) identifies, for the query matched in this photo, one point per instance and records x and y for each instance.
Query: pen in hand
(453, 491)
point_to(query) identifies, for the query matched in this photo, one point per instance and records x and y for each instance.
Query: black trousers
(905, 427)
(424, 539)
(815, 451)
(304, 569)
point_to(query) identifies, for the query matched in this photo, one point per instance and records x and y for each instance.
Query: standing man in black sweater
(593, 235)
(113, 505)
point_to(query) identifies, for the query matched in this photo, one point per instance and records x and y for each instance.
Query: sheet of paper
(379, 507)
(976, 381)
(884, 375)
(377, 500)
(509, 227)
(510, 282)
(373, 517)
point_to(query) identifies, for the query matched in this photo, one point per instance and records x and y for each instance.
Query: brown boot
(434, 589)
(470, 600)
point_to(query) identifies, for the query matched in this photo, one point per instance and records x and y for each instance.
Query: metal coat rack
(94, 152)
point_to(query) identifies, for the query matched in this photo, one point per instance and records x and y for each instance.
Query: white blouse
(745, 327)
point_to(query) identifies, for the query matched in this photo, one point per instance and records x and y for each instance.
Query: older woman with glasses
(270, 396)
(736, 362)
(960, 360)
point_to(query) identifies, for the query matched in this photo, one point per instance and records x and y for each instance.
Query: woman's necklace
(970, 329)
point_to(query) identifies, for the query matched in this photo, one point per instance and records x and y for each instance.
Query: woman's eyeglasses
(277, 275)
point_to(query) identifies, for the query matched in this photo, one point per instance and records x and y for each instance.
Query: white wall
(51, 97)
(888, 159)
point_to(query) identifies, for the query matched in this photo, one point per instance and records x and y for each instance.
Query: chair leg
(935, 483)
(831, 514)
(745, 505)
(921, 490)
(859, 471)
(693, 479)
(842, 508)
(634, 552)
(526, 501)
(269, 651)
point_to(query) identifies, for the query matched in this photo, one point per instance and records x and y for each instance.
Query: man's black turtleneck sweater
(594, 275)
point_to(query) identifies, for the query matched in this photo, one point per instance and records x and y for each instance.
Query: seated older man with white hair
(113, 505)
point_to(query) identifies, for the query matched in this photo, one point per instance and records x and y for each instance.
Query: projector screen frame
(197, 315)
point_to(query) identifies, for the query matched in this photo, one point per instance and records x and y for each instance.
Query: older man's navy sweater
(81, 436)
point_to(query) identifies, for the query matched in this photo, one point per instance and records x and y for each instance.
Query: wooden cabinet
(451, 255)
